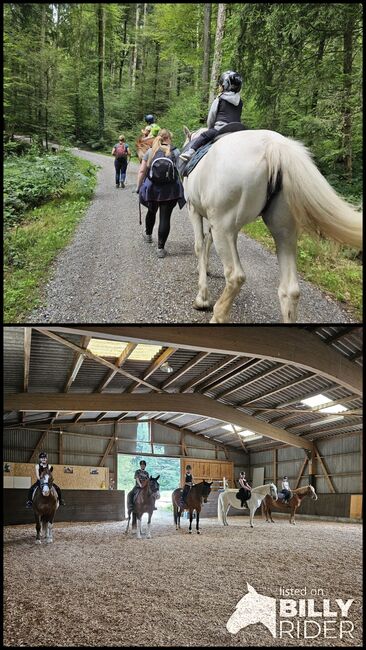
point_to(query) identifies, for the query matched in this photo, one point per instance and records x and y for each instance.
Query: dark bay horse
(144, 502)
(194, 499)
(294, 503)
(45, 503)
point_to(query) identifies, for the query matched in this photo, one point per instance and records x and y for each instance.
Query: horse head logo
(253, 608)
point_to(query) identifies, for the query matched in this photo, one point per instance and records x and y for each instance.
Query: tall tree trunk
(101, 32)
(123, 53)
(206, 54)
(134, 61)
(319, 58)
(347, 91)
(143, 56)
(217, 52)
(41, 70)
(157, 61)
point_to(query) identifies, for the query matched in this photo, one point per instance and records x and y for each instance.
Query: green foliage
(168, 468)
(31, 246)
(32, 179)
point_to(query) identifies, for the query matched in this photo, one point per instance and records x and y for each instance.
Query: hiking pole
(140, 220)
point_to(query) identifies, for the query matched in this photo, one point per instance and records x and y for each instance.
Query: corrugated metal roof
(265, 389)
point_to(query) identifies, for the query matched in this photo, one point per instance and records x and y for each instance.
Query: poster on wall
(94, 471)
(68, 470)
(7, 468)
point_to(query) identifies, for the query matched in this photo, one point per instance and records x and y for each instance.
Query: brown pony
(193, 502)
(144, 502)
(45, 503)
(294, 503)
(142, 145)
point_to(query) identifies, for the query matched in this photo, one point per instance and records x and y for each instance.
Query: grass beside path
(31, 247)
(334, 269)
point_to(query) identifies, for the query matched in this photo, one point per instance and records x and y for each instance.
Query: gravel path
(108, 274)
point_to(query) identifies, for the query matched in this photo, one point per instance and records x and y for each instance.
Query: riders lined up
(41, 465)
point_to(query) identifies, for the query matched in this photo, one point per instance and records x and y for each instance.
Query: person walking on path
(159, 187)
(122, 155)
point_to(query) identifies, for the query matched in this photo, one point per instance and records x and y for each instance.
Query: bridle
(45, 484)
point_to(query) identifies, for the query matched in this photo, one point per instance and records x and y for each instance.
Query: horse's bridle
(46, 480)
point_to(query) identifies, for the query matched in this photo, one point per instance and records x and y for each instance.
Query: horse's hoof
(251, 525)
(198, 532)
(38, 541)
(189, 531)
(202, 305)
(49, 541)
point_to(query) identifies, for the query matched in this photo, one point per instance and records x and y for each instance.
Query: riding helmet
(231, 80)
(188, 467)
(42, 455)
(143, 462)
(149, 118)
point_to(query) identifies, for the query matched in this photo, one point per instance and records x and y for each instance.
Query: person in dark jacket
(226, 108)
(41, 465)
(159, 197)
(188, 483)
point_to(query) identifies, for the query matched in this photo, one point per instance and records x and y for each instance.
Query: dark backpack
(162, 169)
(121, 151)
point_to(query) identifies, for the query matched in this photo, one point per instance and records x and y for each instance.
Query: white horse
(228, 498)
(229, 188)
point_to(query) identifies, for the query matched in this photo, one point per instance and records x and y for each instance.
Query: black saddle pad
(186, 168)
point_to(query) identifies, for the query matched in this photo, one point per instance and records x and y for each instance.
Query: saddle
(185, 168)
(281, 496)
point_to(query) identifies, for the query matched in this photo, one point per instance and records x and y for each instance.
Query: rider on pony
(41, 465)
(140, 476)
(226, 108)
(188, 483)
(152, 129)
(245, 490)
(286, 491)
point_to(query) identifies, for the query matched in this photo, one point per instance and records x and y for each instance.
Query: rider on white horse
(225, 108)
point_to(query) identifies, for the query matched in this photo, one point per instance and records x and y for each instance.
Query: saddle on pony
(283, 497)
(185, 168)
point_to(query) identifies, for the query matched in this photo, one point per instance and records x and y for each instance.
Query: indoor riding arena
(271, 402)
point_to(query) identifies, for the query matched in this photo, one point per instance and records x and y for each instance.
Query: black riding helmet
(143, 462)
(42, 455)
(188, 467)
(231, 80)
(149, 119)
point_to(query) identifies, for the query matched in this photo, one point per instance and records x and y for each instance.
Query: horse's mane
(301, 489)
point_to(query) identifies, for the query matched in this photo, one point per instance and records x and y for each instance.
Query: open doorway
(168, 468)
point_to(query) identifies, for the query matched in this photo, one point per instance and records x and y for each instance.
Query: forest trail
(108, 274)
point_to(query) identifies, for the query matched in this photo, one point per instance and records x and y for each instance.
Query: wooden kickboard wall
(80, 478)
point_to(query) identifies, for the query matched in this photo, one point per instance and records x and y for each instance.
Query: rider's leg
(30, 492)
(202, 139)
(60, 499)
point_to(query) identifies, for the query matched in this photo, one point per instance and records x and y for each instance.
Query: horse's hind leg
(202, 245)
(280, 222)
(226, 247)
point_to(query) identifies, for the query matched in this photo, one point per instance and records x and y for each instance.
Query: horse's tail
(220, 515)
(315, 206)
